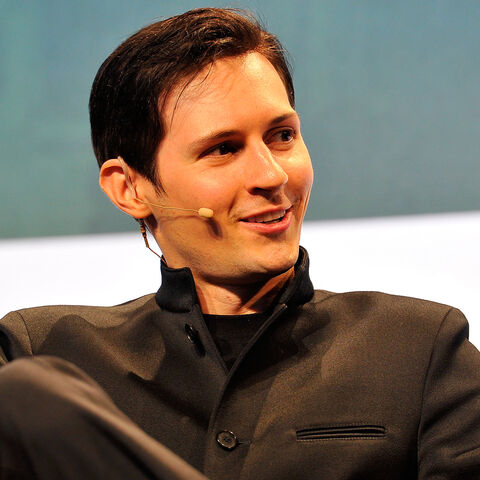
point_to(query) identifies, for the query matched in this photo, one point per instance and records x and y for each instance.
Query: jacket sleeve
(449, 431)
(14, 338)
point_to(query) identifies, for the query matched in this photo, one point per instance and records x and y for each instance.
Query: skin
(233, 144)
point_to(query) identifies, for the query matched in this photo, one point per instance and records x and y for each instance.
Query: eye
(222, 149)
(283, 135)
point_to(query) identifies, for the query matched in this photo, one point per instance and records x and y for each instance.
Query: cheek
(300, 174)
(189, 187)
(214, 191)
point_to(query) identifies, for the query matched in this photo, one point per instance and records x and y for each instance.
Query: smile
(269, 222)
(270, 217)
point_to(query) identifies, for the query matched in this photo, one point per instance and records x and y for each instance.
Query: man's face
(232, 144)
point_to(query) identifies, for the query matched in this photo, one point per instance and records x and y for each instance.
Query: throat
(240, 299)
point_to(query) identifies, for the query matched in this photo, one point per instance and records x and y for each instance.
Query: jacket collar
(177, 292)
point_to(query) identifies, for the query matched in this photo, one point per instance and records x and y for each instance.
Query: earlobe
(117, 181)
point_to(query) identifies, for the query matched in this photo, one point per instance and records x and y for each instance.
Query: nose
(265, 171)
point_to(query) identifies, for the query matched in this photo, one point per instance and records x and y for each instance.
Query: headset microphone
(202, 212)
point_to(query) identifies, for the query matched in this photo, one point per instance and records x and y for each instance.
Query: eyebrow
(212, 137)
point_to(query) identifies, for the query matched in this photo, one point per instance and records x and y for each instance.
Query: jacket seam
(28, 332)
(328, 296)
(427, 376)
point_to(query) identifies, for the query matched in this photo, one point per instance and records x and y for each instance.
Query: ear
(119, 185)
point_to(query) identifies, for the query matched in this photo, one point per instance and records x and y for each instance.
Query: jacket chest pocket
(341, 432)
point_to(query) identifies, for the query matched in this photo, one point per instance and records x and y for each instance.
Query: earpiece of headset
(202, 212)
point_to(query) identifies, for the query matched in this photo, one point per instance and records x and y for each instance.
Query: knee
(34, 394)
(24, 385)
(18, 378)
(23, 379)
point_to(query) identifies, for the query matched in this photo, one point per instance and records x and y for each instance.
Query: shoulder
(386, 334)
(386, 313)
(37, 322)
(371, 300)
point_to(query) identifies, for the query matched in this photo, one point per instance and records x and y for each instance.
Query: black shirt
(231, 333)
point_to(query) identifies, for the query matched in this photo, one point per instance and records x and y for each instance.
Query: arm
(14, 338)
(449, 431)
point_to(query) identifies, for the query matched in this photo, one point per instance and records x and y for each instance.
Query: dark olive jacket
(359, 385)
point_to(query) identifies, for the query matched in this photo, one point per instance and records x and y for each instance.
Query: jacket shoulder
(387, 311)
(96, 314)
(30, 326)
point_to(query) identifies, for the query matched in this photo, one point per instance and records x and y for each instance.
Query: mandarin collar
(177, 292)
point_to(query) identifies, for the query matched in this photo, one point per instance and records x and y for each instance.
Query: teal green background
(388, 92)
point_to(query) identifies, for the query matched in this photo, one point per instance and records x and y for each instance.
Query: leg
(57, 423)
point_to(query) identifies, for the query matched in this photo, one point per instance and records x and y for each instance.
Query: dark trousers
(58, 423)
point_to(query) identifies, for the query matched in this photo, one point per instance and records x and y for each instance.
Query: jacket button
(227, 440)
(194, 338)
(191, 333)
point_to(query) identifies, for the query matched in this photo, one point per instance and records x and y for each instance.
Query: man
(236, 365)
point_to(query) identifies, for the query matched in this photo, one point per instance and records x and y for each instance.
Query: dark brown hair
(131, 86)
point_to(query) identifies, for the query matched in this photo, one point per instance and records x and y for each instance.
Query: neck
(240, 299)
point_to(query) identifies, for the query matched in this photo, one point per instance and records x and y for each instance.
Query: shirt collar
(177, 292)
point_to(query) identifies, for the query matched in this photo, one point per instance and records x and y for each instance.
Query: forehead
(228, 89)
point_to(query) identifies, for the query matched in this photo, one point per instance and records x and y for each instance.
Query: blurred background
(389, 97)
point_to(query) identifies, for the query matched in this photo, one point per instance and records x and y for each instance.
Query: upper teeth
(266, 217)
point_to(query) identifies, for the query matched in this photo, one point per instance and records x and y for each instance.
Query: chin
(277, 263)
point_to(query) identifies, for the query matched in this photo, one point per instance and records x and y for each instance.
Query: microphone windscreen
(205, 212)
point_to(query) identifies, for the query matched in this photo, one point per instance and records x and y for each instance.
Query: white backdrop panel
(429, 256)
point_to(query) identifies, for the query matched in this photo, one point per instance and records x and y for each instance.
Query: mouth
(267, 218)
(273, 222)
